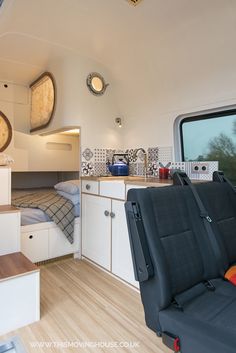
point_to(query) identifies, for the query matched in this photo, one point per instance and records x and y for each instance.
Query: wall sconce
(118, 122)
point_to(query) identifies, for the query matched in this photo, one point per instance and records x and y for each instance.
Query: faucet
(145, 159)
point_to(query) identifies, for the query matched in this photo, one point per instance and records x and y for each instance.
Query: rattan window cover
(43, 97)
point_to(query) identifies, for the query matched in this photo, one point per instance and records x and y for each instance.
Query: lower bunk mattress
(35, 215)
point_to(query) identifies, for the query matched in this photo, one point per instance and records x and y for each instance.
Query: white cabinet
(58, 244)
(34, 245)
(96, 229)
(43, 241)
(5, 182)
(122, 265)
(10, 230)
(105, 238)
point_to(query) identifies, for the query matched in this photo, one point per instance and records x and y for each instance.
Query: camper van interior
(117, 176)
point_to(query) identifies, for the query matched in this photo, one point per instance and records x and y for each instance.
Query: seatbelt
(218, 176)
(205, 216)
(142, 263)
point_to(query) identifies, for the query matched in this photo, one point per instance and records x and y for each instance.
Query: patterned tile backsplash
(95, 162)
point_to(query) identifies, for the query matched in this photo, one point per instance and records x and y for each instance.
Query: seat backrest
(220, 202)
(179, 247)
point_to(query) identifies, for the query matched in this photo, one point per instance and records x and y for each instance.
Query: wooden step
(14, 265)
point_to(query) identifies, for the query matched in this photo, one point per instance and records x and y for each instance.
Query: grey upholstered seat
(186, 295)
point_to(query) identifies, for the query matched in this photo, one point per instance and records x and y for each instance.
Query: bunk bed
(43, 236)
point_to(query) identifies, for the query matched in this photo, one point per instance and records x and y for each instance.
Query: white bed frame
(44, 241)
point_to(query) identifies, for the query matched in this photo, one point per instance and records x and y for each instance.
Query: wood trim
(46, 73)
(8, 209)
(9, 132)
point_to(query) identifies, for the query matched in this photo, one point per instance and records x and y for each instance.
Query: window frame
(195, 116)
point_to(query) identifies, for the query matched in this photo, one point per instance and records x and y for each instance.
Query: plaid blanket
(58, 209)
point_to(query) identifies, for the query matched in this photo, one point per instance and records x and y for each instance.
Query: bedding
(74, 198)
(33, 216)
(71, 186)
(57, 208)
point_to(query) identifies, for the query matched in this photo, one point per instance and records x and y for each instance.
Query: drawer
(34, 245)
(90, 186)
(114, 189)
(132, 186)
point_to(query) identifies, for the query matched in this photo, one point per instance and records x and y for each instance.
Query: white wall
(162, 58)
(189, 68)
(166, 59)
(34, 152)
(77, 106)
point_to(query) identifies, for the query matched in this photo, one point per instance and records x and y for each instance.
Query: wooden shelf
(14, 265)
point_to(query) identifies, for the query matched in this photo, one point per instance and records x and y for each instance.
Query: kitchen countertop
(134, 180)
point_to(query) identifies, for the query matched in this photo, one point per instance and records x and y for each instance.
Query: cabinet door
(122, 265)
(34, 245)
(59, 244)
(96, 229)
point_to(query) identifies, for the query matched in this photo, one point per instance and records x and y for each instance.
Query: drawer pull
(88, 187)
(112, 214)
(31, 237)
(106, 213)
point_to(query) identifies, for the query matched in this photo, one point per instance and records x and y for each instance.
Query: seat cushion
(207, 323)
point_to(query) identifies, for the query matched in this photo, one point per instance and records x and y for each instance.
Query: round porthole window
(96, 84)
(5, 132)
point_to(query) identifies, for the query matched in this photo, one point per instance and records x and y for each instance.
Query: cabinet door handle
(106, 213)
(31, 237)
(88, 187)
(112, 214)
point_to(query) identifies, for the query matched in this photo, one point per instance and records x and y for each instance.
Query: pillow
(77, 210)
(71, 186)
(230, 275)
(75, 199)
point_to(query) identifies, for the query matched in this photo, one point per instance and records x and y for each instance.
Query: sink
(120, 178)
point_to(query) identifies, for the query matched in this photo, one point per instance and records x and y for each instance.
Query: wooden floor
(82, 304)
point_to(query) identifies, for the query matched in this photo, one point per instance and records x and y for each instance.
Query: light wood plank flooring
(81, 303)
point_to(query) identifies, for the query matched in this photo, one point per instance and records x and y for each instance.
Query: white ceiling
(109, 31)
